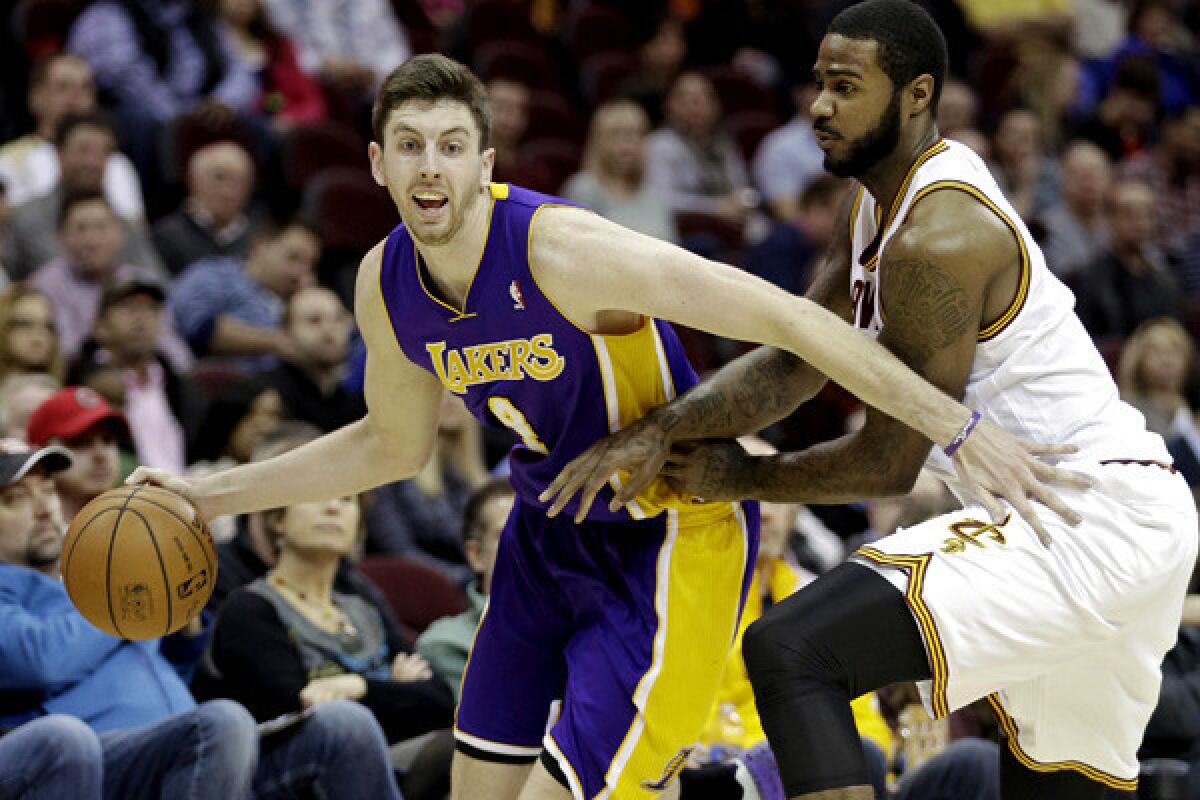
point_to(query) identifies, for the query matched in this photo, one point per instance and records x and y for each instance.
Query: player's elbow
(394, 455)
(901, 478)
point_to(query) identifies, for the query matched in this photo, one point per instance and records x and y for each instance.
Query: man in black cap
(122, 361)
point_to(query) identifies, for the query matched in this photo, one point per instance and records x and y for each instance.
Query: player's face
(856, 115)
(432, 167)
(329, 526)
(31, 523)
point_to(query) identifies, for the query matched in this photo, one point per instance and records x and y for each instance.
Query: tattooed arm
(936, 277)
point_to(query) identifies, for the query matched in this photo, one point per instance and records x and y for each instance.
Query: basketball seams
(112, 543)
(161, 565)
(204, 546)
(66, 562)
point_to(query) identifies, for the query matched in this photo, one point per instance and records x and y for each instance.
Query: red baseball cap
(71, 412)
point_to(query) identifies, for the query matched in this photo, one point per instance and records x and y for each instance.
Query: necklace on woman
(329, 612)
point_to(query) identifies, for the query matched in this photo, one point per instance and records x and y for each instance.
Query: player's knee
(780, 651)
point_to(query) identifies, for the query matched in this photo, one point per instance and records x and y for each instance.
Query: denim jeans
(50, 758)
(212, 753)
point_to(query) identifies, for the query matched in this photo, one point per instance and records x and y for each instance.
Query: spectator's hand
(408, 668)
(711, 470)
(335, 687)
(172, 483)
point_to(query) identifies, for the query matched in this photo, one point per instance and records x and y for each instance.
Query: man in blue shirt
(154, 740)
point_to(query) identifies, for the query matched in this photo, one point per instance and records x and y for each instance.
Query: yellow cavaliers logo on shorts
(510, 360)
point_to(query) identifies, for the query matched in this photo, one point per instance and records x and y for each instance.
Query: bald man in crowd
(212, 221)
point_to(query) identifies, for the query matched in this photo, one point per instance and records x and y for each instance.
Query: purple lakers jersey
(516, 361)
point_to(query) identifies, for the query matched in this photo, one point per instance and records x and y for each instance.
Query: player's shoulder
(947, 223)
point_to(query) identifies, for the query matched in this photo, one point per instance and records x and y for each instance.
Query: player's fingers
(638, 481)
(1043, 449)
(1058, 476)
(587, 495)
(1042, 494)
(569, 480)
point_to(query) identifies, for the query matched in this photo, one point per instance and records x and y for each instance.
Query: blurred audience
(85, 143)
(418, 518)
(352, 46)
(957, 108)
(223, 307)
(1122, 123)
(1028, 177)
(446, 644)
(91, 240)
(60, 85)
(1153, 373)
(785, 256)
(612, 182)
(509, 102)
(212, 221)
(789, 158)
(286, 93)
(29, 334)
(1172, 169)
(20, 394)
(50, 757)
(154, 740)
(1133, 280)
(1075, 229)
(691, 164)
(161, 405)
(289, 641)
(310, 379)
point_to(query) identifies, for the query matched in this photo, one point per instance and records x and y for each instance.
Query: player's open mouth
(429, 201)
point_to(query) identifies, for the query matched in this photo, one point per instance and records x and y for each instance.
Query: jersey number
(512, 418)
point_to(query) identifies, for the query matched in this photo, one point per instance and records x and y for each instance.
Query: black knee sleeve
(848, 633)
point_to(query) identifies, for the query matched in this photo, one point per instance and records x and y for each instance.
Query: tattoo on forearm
(737, 397)
(927, 309)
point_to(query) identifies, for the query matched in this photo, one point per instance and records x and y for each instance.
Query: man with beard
(548, 319)
(1064, 640)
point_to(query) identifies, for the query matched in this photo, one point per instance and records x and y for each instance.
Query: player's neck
(884, 179)
(452, 265)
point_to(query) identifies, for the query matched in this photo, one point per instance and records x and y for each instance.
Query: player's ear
(920, 94)
(489, 163)
(375, 154)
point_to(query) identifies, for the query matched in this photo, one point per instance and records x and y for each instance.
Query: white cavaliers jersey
(1036, 372)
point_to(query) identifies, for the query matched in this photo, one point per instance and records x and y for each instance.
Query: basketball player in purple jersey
(546, 319)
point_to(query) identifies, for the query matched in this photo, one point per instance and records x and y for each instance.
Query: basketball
(138, 563)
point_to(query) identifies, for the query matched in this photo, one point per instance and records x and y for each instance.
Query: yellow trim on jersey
(934, 149)
(854, 208)
(498, 191)
(698, 589)
(995, 328)
(1009, 725)
(916, 567)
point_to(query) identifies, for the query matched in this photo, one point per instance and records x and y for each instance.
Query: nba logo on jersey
(514, 291)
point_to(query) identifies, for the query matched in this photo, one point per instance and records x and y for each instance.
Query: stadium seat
(310, 149)
(187, 133)
(738, 91)
(417, 593)
(552, 116)
(42, 25)
(748, 128)
(561, 158)
(489, 20)
(602, 75)
(525, 63)
(599, 29)
(351, 211)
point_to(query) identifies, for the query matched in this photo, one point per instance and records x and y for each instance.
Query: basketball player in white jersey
(1064, 638)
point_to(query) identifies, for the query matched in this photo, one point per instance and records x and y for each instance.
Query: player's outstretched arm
(587, 264)
(393, 441)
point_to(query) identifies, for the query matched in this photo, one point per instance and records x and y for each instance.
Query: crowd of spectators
(184, 198)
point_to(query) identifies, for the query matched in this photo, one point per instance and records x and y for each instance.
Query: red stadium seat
(749, 128)
(310, 149)
(560, 157)
(525, 63)
(602, 75)
(489, 20)
(738, 91)
(599, 29)
(188, 133)
(417, 593)
(552, 116)
(351, 211)
(42, 25)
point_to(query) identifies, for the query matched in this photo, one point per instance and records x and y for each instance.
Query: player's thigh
(473, 778)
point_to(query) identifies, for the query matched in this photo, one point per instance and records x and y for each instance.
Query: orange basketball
(137, 562)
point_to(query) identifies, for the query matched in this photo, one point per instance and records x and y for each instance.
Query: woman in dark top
(288, 641)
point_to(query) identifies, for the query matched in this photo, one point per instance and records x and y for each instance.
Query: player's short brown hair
(430, 77)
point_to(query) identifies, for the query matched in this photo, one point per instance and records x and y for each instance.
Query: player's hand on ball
(173, 483)
(995, 466)
(334, 687)
(410, 668)
(712, 470)
(640, 448)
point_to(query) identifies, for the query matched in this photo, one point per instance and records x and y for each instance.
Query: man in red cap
(84, 423)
